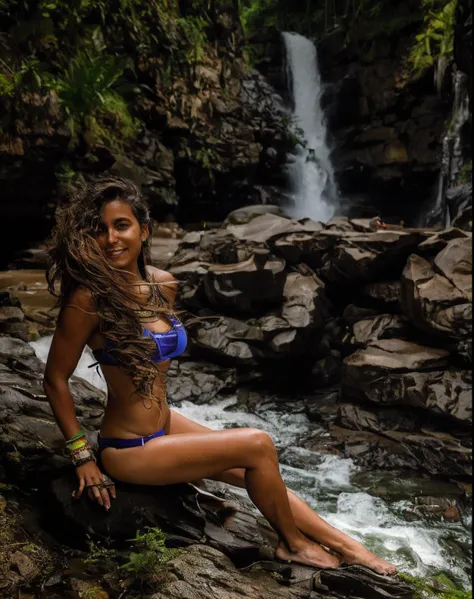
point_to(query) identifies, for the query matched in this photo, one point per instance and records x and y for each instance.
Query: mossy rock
(436, 587)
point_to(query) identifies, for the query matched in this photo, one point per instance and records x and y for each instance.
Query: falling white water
(313, 192)
(452, 156)
(452, 142)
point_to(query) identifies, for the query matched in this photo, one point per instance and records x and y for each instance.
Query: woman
(122, 308)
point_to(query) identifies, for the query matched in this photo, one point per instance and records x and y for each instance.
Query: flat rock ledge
(228, 547)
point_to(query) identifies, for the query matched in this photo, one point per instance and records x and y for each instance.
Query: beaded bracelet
(75, 437)
(86, 454)
(80, 449)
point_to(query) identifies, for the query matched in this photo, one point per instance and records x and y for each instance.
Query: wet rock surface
(397, 396)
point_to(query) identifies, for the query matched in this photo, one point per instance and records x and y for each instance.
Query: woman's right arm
(76, 323)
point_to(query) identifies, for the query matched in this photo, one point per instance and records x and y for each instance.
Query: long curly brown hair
(78, 262)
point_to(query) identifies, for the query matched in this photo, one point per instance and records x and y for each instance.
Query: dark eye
(122, 226)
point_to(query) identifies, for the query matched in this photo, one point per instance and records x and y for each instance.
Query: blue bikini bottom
(105, 442)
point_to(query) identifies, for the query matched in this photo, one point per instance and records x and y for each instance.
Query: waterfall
(452, 155)
(452, 142)
(313, 190)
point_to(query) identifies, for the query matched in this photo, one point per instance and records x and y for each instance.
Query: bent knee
(261, 442)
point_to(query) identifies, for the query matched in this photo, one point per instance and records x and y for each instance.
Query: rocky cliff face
(210, 137)
(387, 134)
(386, 124)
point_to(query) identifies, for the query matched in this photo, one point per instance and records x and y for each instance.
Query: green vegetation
(146, 563)
(305, 17)
(194, 31)
(361, 21)
(91, 53)
(439, 587)
(208, 159)
(90, 94)
(315, 18)
(437, 38)
(465, 174)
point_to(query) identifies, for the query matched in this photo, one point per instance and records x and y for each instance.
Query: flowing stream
(326, 482)
(313, 190)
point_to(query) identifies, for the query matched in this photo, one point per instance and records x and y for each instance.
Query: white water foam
(310, 169)
(417, 548)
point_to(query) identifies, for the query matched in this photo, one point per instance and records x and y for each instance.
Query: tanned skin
(189, 451)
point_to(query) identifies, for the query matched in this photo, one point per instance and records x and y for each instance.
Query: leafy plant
(64, 171)
(193, 29)
(437, 38)
(440, 587)
(7, 85)
(30, 74)
(90, 90)
(146, 564)
(465, 174)
(207, 158)
(97, 552)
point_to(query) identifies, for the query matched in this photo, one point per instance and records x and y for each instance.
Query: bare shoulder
(161, 276)
(169, 285)
(82, 298)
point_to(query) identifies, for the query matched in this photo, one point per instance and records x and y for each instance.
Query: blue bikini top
(169, 344)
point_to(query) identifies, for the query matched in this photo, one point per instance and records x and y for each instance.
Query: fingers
(105, 498)
(113, 492)
(101, 490)
(82, 484)
(99, 486)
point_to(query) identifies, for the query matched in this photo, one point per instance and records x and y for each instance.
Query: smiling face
(120, 236)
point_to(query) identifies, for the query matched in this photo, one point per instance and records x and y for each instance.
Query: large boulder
(225, 340)
(382, 326)
(437, 297)
(246, 286)
(401, 373)
(244, 215)
(393, 355)
(362, 257)
(383, 296)
(263, 227)
(387, 437)
(441, 392)
(460, 206)
(437, 242)
(289, 332)
(199, 382)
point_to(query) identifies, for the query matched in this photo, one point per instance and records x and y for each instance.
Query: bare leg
(182, 458)
(313, 526)
(306, 519)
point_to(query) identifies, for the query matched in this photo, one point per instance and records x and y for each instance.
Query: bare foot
(309, 554)
(363, 557)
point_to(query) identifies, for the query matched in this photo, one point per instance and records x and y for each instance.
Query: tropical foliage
(314, 17)
(437, 38)
(147, 560)
(362, 19)
(81, 50)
